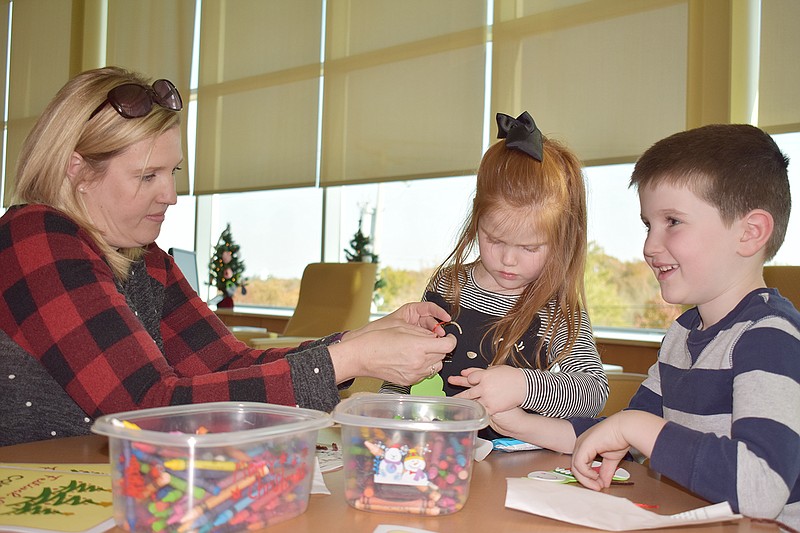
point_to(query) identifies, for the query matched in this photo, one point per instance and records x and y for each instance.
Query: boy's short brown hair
(734, 167)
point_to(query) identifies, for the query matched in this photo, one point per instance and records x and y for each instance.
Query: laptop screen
(187, 263)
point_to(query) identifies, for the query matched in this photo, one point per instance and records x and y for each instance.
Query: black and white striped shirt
(576, 386)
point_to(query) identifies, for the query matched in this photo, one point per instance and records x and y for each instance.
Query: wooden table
(484, 512)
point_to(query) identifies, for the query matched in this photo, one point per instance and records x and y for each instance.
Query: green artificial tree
(226, 269)
(361, 252)
(361, 249)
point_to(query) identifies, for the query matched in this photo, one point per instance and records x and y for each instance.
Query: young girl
(519, 307)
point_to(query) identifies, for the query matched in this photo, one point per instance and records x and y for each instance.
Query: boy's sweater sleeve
(647, 398)
(756, 468)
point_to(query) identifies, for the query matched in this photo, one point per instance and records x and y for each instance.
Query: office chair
(786, 279)
(333, 297)
(621, 388)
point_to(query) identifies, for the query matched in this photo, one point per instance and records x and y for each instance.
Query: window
(279, 233)
(415, 224)
(621, 291)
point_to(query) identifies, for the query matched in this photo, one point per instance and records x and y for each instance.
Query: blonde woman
(95, 318)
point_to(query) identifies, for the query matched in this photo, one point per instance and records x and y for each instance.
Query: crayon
(182, 464)
(225, 516)
(208, 485)
(274, 490)
(393, 503)
(212, 501)
(413, 509)
(131, 425)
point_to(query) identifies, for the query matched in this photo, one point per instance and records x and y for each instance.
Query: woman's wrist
(345, 363)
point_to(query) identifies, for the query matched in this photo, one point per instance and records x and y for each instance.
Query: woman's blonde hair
(553, 192)
(64, 128)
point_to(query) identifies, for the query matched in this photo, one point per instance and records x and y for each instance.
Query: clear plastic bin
(408, 454)
(225, 465)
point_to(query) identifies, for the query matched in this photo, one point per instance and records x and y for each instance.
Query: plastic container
(224, 465)
(408, 454)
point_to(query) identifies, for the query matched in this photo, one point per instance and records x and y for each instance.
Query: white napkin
(589, 508)
(482, 448)
(318, 485)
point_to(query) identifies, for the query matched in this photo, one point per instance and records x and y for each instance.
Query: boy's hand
(603, 439)
(611, 439)
(498, 388)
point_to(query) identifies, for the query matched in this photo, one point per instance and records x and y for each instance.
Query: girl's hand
(507, 422)
(552, 433)
(498, 388)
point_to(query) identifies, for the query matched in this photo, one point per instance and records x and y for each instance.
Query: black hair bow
(520, 134)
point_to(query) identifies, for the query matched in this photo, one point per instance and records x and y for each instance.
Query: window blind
(606, 77)
(258, 95)
(404, 89)
(167, 29)
(53, 41)
(40, 65)
(778, 104)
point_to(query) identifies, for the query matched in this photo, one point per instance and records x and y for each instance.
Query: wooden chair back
(786, 279)
(621, 388)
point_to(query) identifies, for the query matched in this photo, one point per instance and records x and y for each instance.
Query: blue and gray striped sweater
(731, 396)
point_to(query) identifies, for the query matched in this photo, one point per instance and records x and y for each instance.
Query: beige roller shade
(154, 37)
(40, 65)
(404, 89)
(608, 77)
(779, 104)
(258, 95)
(4, 6)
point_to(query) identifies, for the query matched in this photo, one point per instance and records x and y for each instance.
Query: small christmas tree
(361, 251)
(361, 248)
(226, 269)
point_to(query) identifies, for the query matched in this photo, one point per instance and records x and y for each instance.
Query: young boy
(720, 411)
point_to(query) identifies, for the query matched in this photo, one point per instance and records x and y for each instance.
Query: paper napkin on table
(318, 485)
(388, 528)
(482, 448)
(589, 508)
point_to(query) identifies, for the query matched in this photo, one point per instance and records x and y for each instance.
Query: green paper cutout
(432, 386)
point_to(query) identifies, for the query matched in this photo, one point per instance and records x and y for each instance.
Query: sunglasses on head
(132, 100)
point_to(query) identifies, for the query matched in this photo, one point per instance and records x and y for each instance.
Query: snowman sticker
(389, 462)
(414, 468)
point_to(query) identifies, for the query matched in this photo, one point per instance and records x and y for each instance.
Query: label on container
(399, 464)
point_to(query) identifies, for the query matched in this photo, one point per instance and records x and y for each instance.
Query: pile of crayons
(231, 488)
(442, 468)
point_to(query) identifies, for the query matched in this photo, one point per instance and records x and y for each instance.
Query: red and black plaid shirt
(60, 303)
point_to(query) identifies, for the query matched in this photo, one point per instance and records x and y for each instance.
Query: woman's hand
(499, 388)
(426, 315)
(403, 347)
